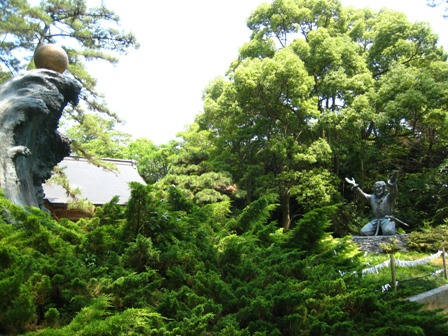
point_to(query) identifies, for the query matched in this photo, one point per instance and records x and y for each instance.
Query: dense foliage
(165, 266)
(429, 239)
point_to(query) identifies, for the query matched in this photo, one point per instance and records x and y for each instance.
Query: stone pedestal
(373, 243)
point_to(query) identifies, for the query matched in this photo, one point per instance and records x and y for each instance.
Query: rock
(30, 145)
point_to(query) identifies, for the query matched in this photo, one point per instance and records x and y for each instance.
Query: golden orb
(51, 56)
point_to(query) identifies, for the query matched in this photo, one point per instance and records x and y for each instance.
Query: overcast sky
(157, 89)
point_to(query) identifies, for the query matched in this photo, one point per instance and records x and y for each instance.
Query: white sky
(157, 89)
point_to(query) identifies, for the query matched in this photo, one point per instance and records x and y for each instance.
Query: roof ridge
(80, 158)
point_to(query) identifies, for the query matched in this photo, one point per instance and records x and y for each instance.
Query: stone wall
(373, 243)
(436, 298)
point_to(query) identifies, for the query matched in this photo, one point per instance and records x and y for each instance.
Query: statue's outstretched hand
(352, 182)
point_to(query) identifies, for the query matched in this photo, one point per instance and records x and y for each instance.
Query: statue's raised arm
(392, 184)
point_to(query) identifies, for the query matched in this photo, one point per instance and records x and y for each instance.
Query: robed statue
(382, 203)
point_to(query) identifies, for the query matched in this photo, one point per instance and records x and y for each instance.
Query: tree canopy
(321, 92)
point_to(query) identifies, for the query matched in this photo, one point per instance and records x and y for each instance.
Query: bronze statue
(30, 144)
(382, 202)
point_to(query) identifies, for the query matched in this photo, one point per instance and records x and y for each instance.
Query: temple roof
(97, 184)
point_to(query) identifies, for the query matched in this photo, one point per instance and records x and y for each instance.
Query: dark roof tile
(96, 184)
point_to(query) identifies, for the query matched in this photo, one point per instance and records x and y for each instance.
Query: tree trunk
(286, 216)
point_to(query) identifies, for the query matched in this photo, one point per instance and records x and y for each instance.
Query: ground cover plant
(164, 266)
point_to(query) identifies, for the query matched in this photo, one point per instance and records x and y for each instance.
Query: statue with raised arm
(382, 202)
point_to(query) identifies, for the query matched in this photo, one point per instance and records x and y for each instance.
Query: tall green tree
(322, 91)
(192, 170)
(152, 160)
(262, 117)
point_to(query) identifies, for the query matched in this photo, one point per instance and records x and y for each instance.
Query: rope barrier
(402, 263)
(406, 263)
(435, 273)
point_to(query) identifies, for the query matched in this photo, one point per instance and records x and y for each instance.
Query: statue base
(373, 243)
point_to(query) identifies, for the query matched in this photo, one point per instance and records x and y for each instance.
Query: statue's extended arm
(354, 185)
(18, 150)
